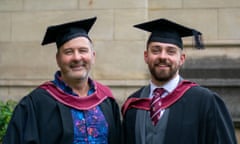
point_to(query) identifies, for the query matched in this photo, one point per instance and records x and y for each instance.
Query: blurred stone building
(24, 63)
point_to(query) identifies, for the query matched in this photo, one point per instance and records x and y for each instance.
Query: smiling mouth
(79, 67)
(162, 65)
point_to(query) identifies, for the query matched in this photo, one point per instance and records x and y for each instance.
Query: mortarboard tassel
(198, 40)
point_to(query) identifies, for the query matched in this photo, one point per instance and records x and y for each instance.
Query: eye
(68, 51)
(155, 50)
(171, 51)
(83, 50)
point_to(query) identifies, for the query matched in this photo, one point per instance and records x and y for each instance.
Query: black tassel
(198, 40)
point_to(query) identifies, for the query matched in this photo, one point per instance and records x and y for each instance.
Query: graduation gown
(41, 119)
(198, 117)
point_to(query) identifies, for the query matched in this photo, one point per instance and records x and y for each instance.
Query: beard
(76, 75)
(76, 71)
(165, 74)
(79, 75)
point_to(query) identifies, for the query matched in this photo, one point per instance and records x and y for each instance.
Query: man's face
(164, 61)
(75, 58)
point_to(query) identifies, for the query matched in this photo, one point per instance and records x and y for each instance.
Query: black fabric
(112, 114)
(61, 33)
(129, 121)
(166, 31)
(40, 119)
(199, 117)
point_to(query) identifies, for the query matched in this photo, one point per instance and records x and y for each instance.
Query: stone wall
(24, 63)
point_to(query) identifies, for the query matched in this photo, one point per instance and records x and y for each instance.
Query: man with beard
(72, 108)
(171, 110)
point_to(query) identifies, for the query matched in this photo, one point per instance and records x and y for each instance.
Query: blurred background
(25, 64)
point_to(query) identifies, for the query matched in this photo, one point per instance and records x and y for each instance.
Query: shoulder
(36, 97)
(202, 95)
(39, 94)
(200, 91)
(28, 102)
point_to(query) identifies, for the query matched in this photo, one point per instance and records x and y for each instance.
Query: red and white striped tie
(155, 110)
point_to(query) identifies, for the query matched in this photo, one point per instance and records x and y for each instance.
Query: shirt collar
(169, 86)
(62, 85)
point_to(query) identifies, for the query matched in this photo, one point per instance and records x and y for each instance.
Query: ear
(146, 56)
(93, 57)
(182, 58)
(57, 57)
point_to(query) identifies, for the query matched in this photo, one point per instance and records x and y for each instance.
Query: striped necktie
(155, 105)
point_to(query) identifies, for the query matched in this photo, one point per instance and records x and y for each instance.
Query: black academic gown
(40, 119)
(199, 117)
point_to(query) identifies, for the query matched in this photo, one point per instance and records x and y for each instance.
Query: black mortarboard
(163, 30)
(67, 31)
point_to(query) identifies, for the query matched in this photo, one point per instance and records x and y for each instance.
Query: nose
(77, 55)
(162, 54)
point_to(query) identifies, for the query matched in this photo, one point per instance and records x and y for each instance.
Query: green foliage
(6, 109)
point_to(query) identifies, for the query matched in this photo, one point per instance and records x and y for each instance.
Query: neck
(160, 83)
(80, 87)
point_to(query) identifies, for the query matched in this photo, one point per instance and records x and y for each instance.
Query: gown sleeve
(22, 128)
(224, 125)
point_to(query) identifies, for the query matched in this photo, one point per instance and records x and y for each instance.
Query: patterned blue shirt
(90, 126)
